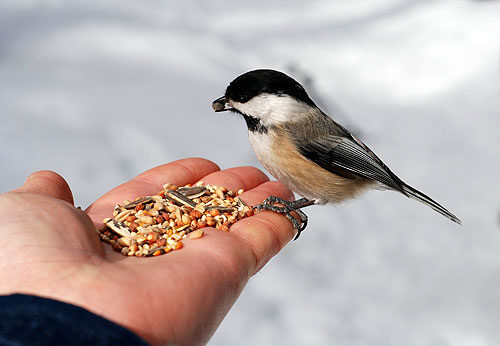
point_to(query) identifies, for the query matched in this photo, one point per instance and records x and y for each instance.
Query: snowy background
(100, 91)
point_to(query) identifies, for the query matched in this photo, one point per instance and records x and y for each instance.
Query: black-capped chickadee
(304, 148)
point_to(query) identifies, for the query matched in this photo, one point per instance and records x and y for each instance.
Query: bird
(305, 149)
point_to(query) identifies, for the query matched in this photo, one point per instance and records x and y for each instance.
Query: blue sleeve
(32, 320)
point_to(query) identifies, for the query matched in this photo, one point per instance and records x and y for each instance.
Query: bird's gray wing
(347, 157)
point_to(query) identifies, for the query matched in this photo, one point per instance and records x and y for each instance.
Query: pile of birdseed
(156, 225)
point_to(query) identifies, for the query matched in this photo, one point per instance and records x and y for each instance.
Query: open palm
(50, 248)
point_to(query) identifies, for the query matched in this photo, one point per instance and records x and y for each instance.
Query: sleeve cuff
(32, 320)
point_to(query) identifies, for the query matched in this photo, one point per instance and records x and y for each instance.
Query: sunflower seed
(118, 226)
(180, 198)
(192, 192)
(134, 204)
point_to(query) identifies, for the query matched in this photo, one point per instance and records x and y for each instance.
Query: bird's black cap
(262, 81)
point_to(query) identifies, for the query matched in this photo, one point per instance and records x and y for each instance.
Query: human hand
(50, 248)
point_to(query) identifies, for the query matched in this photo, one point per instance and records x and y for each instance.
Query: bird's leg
(270, 204)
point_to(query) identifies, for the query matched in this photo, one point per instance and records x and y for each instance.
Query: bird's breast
(262, 144)
(281, 158)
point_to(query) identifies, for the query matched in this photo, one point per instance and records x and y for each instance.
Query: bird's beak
(221, 105)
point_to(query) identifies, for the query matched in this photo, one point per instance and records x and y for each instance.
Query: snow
(100, 91)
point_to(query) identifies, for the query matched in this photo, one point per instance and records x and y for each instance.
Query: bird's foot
(270, 204)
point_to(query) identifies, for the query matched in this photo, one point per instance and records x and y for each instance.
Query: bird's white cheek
(272, 109)
(256, 107)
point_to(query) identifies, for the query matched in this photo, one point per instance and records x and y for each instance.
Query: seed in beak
(219, 105)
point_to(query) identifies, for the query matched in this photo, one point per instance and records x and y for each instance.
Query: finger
(47, 183)
(237, 178)
(179, 172)
(266, 232)
(250, 242)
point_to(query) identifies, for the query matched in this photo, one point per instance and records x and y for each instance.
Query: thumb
(47, 183)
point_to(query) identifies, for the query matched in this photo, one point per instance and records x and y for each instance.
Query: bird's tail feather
(419, 196)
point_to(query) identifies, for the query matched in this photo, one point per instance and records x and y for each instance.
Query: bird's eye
(242, 98)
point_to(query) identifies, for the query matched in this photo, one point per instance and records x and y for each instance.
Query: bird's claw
(270, 204)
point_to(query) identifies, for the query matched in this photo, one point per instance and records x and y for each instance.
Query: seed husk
(117, 226)
(126, 241)
(193, 192)
(180, 198)
(221, 209)
(138, 201)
